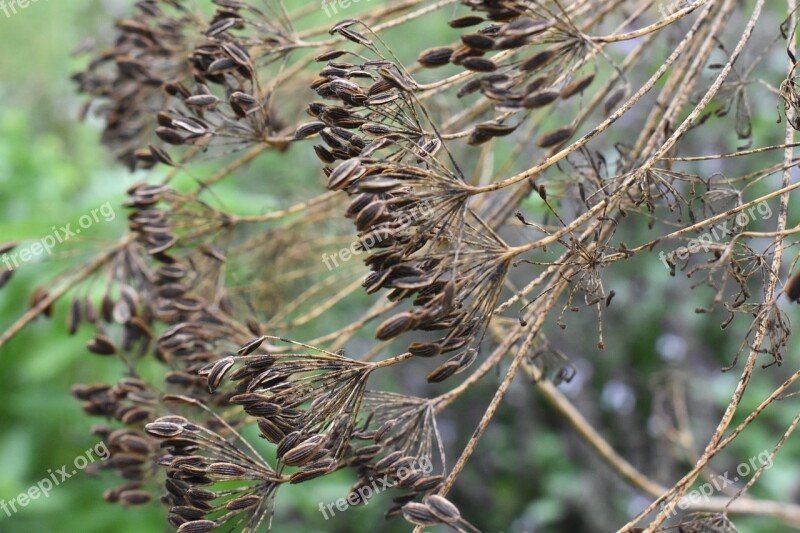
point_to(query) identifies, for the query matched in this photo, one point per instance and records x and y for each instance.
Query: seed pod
(493, 129)
(74, 316)
(465, 22)
(435, 57)
(133, 498)
(242, 503)
(443, 372)
(134, 443)
(396, 325)
(300, 454)
(392, 79)
(427, 483)
(614, 99)
(251, 346)
(577, 86)
(478, 40)
(555, 137)
(469, 87)
(478, 137)
(202, 100)
(169, 135)
(163, 429)
(418, 514)
(330, 55)
(263, 409)
(793, 288)
(368, 452)
(541, 98)
(226, 471)
(101, 345)
(387, 462)
(270, 431)
(287, 443)
(511, 42)
(216, 373)
(370, 215)
(538, 61)
(378, 185)
(384, 430)
(198, 526)
(442, 508)
(134, 415)
(610, 297)
(425, 349)
(5, 276)
(160, 155)
(308, 129)
(324, 154)
(479, 64)
(354, 36)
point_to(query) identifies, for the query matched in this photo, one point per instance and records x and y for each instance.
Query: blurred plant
(432, 170)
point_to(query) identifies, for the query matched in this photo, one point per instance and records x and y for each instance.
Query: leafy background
(531, 473)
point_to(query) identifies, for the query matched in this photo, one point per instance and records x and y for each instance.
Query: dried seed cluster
(424, 168)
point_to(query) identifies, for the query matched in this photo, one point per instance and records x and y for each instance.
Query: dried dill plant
(488, 182)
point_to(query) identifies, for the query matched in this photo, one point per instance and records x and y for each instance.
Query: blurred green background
(530, 473)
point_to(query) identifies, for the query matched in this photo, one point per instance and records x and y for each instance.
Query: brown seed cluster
(424, 168)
